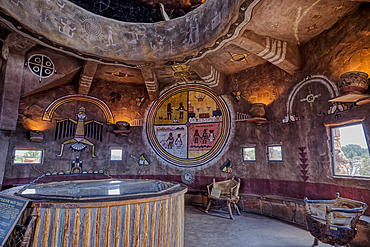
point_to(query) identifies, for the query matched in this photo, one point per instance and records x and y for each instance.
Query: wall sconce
(36, 136)
(352, 86)
(122, 128)
(258, 114)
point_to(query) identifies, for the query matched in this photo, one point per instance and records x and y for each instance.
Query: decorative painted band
(50, 109)
(155, 223)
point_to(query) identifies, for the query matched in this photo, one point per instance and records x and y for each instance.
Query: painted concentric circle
(189, 125)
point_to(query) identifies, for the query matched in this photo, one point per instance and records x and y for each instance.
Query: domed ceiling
(131, 42)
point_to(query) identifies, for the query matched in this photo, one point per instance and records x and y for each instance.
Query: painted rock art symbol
(185, 137)
(92, 28)
(67, 27)
(41, 66)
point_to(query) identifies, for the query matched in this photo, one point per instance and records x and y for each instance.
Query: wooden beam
(278, 52)
(210, 75)
(86, 77)
(151, 83)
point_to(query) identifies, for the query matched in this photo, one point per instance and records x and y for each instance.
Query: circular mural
(188, 125)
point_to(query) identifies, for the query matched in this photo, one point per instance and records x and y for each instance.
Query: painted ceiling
(206, 41)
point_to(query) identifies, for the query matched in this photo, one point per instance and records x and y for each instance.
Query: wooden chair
(224, 194)
(333, 221)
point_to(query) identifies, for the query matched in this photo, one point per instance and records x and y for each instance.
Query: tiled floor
(216, 229)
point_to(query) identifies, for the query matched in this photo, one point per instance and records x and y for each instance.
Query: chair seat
(228, 191)
(225, 197)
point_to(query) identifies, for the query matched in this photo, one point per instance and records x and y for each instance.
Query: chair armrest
(208, 186)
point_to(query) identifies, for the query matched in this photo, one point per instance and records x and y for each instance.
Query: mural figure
(68, 125)
(170, 141)
(211, 136)
(178, 141)
(17, 2)
(169, 111)
(181, 109)
(196, 136)
(61, 5)
(192, 37)
(67, 29)
(205, 136)
(110, 37)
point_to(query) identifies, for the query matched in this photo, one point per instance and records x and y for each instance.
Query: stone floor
(216, 229)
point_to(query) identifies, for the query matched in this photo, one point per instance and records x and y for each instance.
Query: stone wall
(284, 179)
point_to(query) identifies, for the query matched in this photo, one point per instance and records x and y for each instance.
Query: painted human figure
(110, 37)
(196, 136)
(181, 109)
(178, 141)
(170, 141)
(169, 111)
(67, 29)
(211, 136)
(204, 136)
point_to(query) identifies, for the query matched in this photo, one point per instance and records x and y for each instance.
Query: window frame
(255, 158)
(115, 148)
(268, 152)
(332, 149)
(28, 149)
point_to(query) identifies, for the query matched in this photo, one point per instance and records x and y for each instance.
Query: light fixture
(258, 114)
(122, 128)
(36, 136)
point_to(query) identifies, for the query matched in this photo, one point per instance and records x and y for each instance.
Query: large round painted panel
(188, 125)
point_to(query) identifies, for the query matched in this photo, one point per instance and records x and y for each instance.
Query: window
(274, 153)
(350, 151)
(28, 157)
(116, 154)
(249, 154)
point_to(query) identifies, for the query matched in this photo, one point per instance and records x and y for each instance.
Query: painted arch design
(332, 88)
(49, 111)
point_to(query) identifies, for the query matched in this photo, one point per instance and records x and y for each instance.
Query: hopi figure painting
(79, 130)
(189, 125)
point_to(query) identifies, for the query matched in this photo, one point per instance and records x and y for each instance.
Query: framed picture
(23, 156)
(116, 154)
(249, 153)
(274, 153)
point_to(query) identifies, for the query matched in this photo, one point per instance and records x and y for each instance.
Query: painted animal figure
(81, 129)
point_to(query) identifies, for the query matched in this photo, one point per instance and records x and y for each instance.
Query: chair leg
(236, 208)
(315, 242)
(230, 212)
(208, 206)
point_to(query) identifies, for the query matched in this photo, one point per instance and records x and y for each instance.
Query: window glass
(249, 154)
(350, 151)
(116, 154)
(27, 157)
(274, 153)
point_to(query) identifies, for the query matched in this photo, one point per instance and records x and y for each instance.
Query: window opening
(350, 151)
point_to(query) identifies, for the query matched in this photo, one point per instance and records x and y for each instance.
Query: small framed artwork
(274, 153)
(23, 156)
(116, 154)
(249, 153)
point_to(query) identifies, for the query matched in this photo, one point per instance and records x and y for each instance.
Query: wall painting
(189, 125)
